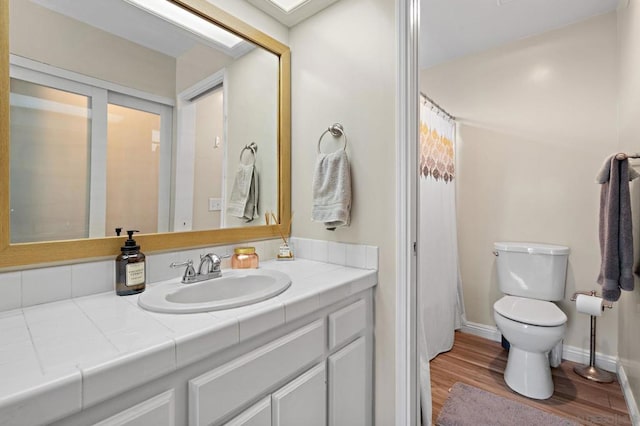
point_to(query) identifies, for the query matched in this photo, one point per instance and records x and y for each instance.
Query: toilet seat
(530, 311)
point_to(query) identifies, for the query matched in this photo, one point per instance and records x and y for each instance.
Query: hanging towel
(616, 239)
(332, 190)
(243, 202)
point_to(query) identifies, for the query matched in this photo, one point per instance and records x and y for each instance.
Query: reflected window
(85, 160)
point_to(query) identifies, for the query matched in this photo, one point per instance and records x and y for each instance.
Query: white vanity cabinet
(337, 391)
(316, 370)
(257, 415)
(348, 386)
(303, 401)
(157, 411)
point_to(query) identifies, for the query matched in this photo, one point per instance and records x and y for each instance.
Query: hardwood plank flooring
(480, 362)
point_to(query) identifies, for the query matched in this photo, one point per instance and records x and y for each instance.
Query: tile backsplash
(352, 255)
(30, 287)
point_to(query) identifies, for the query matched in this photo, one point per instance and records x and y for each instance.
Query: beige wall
(45, 36)
(252, 108)
(629, 129)
(538, 117)
(208, 160)
(343, 68)
(198, 63)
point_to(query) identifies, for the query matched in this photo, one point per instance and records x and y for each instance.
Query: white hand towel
(332, 190)
(243, 202)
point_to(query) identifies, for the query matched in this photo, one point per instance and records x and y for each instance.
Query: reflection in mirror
(124, 115)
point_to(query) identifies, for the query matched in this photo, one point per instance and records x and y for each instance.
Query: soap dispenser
(130, 268)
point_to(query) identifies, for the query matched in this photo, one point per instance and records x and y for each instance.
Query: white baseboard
(570, 353)
(481, 330)
(632, 405)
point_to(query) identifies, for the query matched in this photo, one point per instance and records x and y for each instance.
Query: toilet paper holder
(594, 293)
(590, 371)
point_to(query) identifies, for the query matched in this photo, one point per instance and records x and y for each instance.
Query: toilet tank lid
(530, 311)
(532, 248)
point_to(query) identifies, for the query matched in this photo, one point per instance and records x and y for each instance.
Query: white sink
(237, 287)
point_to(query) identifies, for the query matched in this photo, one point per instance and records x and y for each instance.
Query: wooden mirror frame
(17, 256)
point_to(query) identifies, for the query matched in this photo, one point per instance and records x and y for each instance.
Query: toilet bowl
(533, 328)
(531, 276)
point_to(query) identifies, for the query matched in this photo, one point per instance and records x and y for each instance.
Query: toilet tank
(532, 270)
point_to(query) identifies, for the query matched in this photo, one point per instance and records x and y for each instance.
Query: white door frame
(407, 90)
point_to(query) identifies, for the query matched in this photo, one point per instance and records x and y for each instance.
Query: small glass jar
(244, 258)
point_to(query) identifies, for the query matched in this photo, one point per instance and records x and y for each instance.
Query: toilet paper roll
(590, 305)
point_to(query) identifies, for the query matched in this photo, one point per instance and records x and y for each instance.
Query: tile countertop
(60, 357)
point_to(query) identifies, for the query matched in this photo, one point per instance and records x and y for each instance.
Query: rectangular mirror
(170, 117)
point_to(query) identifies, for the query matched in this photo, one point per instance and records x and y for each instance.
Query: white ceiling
(451, 29)
(121, 18)
(295, 16)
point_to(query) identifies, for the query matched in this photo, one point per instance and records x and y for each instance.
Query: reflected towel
(616, 239)
(243, 202)
(332, 190)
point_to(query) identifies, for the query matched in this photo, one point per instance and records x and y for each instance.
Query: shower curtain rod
(438, 107)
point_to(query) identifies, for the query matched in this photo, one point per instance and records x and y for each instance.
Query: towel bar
(253, 147)
(336, 131)
(623, 156)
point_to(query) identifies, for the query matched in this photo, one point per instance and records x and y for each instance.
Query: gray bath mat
(469, 406)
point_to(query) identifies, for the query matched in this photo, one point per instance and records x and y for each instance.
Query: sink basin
(237, 287)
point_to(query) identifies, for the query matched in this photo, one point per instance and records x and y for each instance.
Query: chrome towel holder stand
(336, 131)
(590, 371)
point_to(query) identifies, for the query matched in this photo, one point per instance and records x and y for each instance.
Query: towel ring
(336, 131)
(253, 147)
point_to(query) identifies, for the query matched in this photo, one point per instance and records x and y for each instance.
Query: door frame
(407, 408)
(185, 150)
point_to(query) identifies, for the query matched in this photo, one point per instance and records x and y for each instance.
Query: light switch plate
(215, 204)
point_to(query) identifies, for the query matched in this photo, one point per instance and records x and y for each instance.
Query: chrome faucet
(209, 268)
(210, 265)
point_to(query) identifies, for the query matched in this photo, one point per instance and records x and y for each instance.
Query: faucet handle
(189, 273)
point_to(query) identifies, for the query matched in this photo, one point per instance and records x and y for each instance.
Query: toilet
(531, 276)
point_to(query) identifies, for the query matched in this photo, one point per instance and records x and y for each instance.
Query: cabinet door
(303, 401)
(157, 411)
(219, 392)
(348, 388)
(258, 415)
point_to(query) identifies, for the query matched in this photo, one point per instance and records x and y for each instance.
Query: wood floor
(480, 363)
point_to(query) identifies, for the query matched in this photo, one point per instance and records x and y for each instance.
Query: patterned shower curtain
(440, 308)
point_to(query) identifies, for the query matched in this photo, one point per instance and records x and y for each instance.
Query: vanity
(71, 355)
(302, 357)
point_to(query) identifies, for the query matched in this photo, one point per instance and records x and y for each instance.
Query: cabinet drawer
(346, 323)
(223, 390)
(159, 410)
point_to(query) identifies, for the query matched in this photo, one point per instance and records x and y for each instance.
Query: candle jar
(244, 258)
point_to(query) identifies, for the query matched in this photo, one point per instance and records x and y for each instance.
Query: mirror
(173, 120)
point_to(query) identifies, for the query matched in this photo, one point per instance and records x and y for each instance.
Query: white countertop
(78, 352)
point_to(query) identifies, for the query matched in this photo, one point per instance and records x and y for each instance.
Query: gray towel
(615, 234)
(332, 190)
(243, 202)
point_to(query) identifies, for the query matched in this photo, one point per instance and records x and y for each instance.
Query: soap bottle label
(135, 274)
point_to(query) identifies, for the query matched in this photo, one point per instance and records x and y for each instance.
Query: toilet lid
(530, 311)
